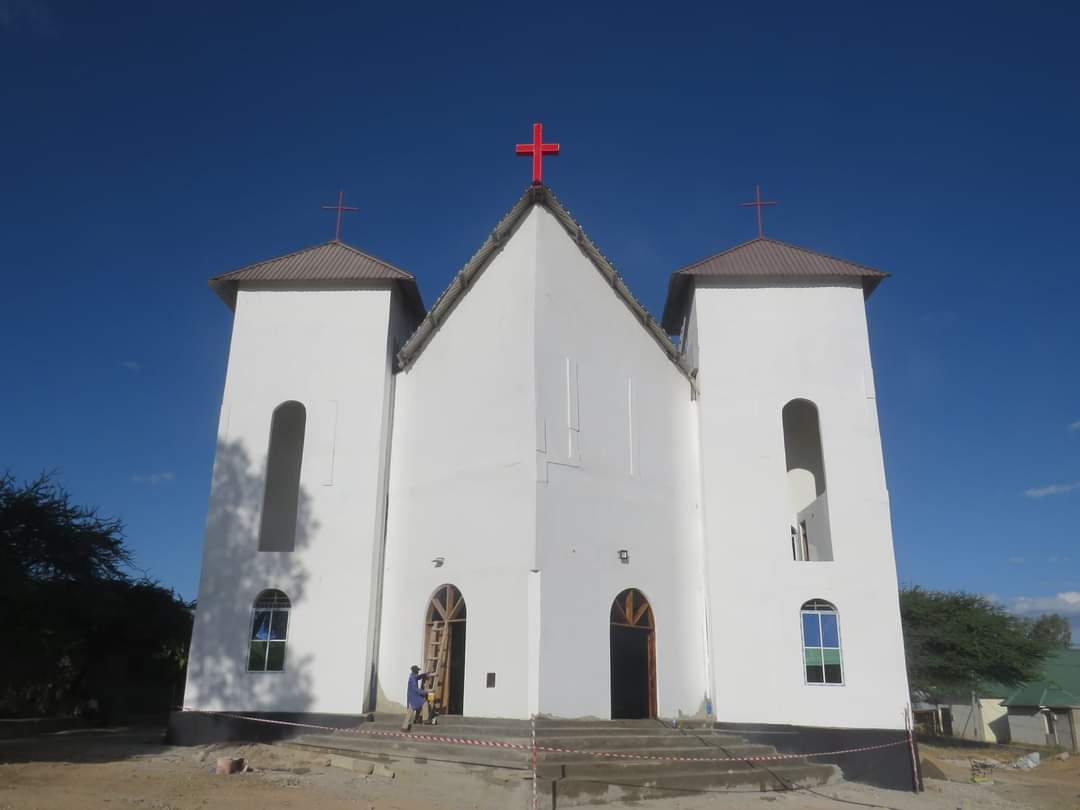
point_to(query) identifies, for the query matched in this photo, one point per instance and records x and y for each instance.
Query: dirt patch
(131, 768)
(1053, 784)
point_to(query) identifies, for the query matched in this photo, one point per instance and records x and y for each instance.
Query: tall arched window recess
(269, 632)
(808, 503)
(822, 660)
(281, 501)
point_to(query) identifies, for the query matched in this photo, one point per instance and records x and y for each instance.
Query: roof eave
(228, 290)
(225, 290)
(675, 304)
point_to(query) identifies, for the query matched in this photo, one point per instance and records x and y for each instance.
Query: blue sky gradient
(149, 146)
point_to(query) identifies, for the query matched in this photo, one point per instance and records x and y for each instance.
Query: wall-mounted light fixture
(438, 562)
(624, 556)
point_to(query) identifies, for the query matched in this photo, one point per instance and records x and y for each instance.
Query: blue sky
(148, 146)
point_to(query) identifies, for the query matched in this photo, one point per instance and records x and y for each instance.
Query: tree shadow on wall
(234, 573)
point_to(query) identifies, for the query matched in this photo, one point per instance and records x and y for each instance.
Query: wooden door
(444, 648)
(633, 656)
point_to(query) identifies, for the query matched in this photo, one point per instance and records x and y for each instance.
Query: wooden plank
(652, 674)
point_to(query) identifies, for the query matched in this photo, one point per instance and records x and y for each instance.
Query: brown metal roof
(330, 261)
(761, 258)
(463, 281)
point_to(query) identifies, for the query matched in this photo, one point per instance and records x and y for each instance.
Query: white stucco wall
(616, 469)
(462, 487)
(328, 350)
(760, 347)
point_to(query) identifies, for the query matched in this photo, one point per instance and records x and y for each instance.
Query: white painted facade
(760, 347)
(540, 428)
(296, 345)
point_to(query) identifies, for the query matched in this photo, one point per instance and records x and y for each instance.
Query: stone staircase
(566, 779)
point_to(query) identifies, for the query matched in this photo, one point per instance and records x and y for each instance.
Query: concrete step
(387, 719)
(495, 727)
(674, 745)
(614, 770)
(479, 732)
(573, 792)
(614, 731)
(375, 749)
(693, 751)
(542, 722)
(622, 742)
(582, 778)
(620, 736)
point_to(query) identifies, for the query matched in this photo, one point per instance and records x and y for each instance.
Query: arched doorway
(444, 648)
(633, 656)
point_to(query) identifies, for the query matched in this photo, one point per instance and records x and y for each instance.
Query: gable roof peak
(534, 195)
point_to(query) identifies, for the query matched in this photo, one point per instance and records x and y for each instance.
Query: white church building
(615, 517)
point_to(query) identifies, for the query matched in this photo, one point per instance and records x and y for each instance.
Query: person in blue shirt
(416, 699)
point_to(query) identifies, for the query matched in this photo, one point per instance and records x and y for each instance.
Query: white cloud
(1017, 560)
(153, 479)
(1051, 489)
(1066, 603)
(132, 365)
(1074, 427)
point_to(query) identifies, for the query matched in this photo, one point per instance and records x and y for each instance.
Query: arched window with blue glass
(269, 632)
(822, 660)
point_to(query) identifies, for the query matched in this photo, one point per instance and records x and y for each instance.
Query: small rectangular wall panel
(573, 415)
(572, 402)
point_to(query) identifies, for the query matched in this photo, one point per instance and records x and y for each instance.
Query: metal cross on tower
(758, 203)
(340, 208)
(537, 149)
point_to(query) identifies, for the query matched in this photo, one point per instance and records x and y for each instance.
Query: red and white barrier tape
(546, 748)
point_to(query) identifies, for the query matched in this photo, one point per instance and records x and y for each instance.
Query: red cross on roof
(758, 203)
(538, 149)
(340, 208)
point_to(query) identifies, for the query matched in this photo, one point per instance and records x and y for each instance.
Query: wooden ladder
(435, 661)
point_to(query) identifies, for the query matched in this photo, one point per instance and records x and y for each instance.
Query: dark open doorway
(444, 649)
(633, 657)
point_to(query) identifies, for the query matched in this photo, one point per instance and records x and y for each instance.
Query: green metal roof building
(1047, 711)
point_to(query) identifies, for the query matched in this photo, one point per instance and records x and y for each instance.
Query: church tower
(297, 502)
(803, 612)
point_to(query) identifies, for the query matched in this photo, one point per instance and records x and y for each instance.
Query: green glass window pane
(831, 656)
(833, 674)
(275, 660)
(815, 675)
(257, 656)
(813, 656)
(279, 625)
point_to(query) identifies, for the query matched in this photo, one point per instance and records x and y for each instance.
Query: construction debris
(1026, 763)
(229, 765)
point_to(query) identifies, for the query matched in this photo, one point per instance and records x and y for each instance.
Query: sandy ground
(125, 768)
